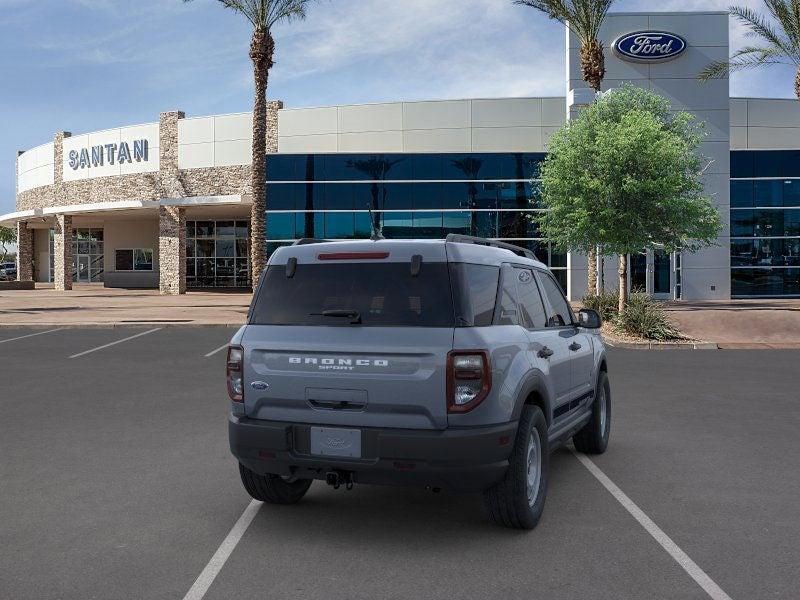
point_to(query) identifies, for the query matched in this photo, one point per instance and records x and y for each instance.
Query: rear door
(350, 342)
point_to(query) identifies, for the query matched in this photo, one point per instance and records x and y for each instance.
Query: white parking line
(115, 343)
(214, 566)
(695, 572)
(22, 337)
(220, 349)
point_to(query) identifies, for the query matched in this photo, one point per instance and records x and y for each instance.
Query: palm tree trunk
(797, 84)
(593, 67)
(261, 51)
(623, 282)
(591, 282)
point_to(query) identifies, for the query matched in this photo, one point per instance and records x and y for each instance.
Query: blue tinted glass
(310, 196)
(426, 195)
(308, 225)
(339, 167)
(428, 225)
(742, 164)
(768, 193)
(271, 247)
(514, 225)
(339, 196)
(363, 228)
(457, 222)
(526, 166)
(395, 196)
(280, 226)
(464, 166)
(281, 167)
(741, 194)
(426, 166)
(768, 222)
(339, 225)
(768, 163)
(791, 223)
(742, 223)
(558, 259)
(282, 196)
(485, 224)
(398, 166)
(515, 195)
(398, 225)
(765, 282)
(310, 167)
(791, 192)
(455, 195)
(790, 165)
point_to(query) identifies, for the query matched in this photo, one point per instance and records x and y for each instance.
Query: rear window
(382, 294)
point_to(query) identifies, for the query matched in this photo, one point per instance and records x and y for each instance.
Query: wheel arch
(534, 392)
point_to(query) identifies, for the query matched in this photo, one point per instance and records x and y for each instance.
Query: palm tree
(584, 19)
(780, 41)
(263, 15)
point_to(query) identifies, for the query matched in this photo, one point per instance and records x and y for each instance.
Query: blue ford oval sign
(649, 46)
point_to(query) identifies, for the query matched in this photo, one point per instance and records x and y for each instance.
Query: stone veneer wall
(62, 251)
(24, 252)
(172, 250)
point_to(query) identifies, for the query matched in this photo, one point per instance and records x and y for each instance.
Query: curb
(663, 345)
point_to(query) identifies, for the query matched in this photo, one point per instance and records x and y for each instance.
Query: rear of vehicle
(363, 362)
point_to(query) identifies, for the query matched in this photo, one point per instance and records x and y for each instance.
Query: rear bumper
(463, 459)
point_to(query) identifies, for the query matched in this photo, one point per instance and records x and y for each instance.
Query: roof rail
(468, 239)
(306, 241)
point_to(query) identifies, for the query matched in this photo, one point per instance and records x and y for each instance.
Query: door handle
(545, 352)
(574, 346)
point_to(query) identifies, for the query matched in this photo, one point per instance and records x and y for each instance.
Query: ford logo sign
(649, 46)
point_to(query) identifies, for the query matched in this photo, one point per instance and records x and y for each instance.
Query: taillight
(234, 372)
(469, 379)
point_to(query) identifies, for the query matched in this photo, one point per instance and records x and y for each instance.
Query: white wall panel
(554, 111)
(195, 156)
(709, 29)
(446, 114)
(437, 140)
(507, 139)
(233, 127)
(371, 141)
(739, 138)
(507, 112)
(766, 138)
(299, 144)
(196, 131)
(691, 94)
(308, 121)
(233, 152)
(738, 112)
(773, 113)
(717, 124)
(370, 117)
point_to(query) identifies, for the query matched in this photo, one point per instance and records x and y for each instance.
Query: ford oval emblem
(259, 385)
(649, 46)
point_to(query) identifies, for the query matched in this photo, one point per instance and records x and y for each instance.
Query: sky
(86, 65)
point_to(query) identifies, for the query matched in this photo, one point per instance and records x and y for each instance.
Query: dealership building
(167, 204)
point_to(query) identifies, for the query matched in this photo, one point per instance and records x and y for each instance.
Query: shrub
(605, 303)
(646, 318)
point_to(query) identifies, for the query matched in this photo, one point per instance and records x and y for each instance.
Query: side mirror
(590, 319)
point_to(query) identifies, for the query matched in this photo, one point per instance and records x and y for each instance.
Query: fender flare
(534, 381)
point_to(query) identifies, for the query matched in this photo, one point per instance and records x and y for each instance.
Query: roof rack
(468, 239)
(306, 241)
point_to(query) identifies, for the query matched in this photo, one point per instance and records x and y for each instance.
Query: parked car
(453, 364)
(8, 271)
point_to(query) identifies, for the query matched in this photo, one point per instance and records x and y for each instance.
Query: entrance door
(638, 270)
(83, 268)
(662, 271)
(650, 272)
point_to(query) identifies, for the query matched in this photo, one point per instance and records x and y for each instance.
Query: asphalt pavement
(116, 482)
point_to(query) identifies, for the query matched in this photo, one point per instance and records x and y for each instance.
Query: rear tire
(273, 489)
(593, 437)
(518, 500)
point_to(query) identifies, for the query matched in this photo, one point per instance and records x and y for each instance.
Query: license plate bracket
(334, 441)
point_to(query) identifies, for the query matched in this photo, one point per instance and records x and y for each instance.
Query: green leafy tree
(584, 19)
(8, 236)
(263, 15)
(626, 175)
(778, 40)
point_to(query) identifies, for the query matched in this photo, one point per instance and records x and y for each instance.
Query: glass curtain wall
(217, 254)
(765, 223)
(410, 195)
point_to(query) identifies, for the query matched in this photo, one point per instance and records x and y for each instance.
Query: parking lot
(116, 482)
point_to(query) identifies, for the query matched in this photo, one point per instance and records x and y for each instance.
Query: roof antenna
(377, 234)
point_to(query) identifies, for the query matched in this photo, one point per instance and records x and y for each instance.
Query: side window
(561, 314)
(507, 305)
(530, 300)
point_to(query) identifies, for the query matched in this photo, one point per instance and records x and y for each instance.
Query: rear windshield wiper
(353, 315)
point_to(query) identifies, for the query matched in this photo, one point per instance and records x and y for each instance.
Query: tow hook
(338, 478)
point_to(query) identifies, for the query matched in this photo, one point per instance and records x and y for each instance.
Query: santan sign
(97, 156)
(649, 46)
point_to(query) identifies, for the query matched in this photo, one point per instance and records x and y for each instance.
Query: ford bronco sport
(451, 364)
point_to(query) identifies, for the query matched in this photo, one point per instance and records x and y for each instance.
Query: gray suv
(453, 364)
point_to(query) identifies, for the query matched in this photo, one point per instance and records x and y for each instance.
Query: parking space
(117, 482)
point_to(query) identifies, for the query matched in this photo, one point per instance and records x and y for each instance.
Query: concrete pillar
(62, 253)
(24, 252)
(171, 250)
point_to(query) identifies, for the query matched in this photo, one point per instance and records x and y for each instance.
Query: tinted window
(530, 300)
(384, 295)
(475, 291)
(561, 314)
(507, 303)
